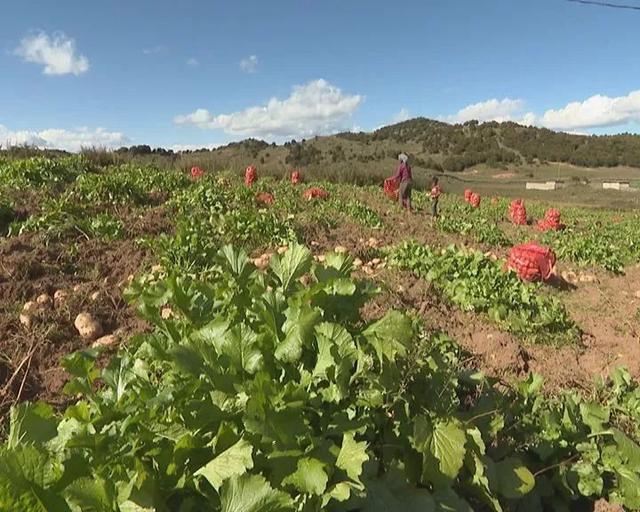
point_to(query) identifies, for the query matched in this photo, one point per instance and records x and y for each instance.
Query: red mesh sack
(467, 194)
(474, 200)
(517, 212)
(532, 262)
(315, 193)
(196, 173)
(391, 188)
(551, 221)
(265, 198)
(295, 177)
(250, 175)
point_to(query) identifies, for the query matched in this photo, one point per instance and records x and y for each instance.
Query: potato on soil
(30, 307)
(60, 297)
(44, 300)
(88, 327)
(26, 320)
(105, 341)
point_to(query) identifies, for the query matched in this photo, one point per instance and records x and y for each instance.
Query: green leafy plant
(474, 282)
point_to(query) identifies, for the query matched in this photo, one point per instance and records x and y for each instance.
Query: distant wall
(615, 185)
(542, 185)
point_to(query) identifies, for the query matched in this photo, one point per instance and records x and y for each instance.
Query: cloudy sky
(205, 72)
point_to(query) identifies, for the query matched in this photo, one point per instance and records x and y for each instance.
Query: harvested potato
(26, 320)
(30, 307)
(88, 327)
(60, 297)
(105, 341)
(44, 300)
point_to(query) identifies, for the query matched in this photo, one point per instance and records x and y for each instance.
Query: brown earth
(30, 361)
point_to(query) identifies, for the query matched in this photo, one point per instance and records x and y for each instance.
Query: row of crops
(266, 390)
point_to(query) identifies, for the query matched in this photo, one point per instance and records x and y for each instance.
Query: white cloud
(250, 64)
(596, 111)
(57, 53)
(402, 115)
(153, 50)
(312, 109)
(70, 140)
(493, 110)
(193, 63)
(194, 147)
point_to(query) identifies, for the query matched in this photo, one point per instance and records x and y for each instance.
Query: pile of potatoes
(87, 326)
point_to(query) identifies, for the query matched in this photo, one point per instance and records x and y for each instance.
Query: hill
(453, 148)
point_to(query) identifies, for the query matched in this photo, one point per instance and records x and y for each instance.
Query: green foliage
(261, 394)
(458, 217)
(62, 218)
(39, 172)
(127, 184)
(474, 282)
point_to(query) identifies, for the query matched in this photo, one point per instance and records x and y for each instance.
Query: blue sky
(205, 72)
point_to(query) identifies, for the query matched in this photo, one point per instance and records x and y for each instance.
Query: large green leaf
(240, 345)
(26, 476)
(392, 492)
(31, 423)
(91, 495)
(309, 477)
(252, 493)
(234, 461)
(292, 265)
(514, 479)
(390, 336)
(442, 443)
(298, 330)
(629, 450)
(352, 456)
(595, 416)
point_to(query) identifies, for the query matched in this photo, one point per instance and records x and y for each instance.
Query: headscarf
(403, 158)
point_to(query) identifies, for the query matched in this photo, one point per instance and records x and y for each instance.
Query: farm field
(245, 348)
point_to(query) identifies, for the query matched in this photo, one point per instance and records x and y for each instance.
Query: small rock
(569, 276)
(587, 278)
(320, 258)
(26, 320)
(367, 270)
(314, 243)
(105, 341)
(30, 307)
(166, 312)
(77, 288)
(95, 296)
(357, 263)
(340, 249)
(375, 261)
(88, 327)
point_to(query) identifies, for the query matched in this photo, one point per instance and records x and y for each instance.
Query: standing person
(436, 190)
(403, 176)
